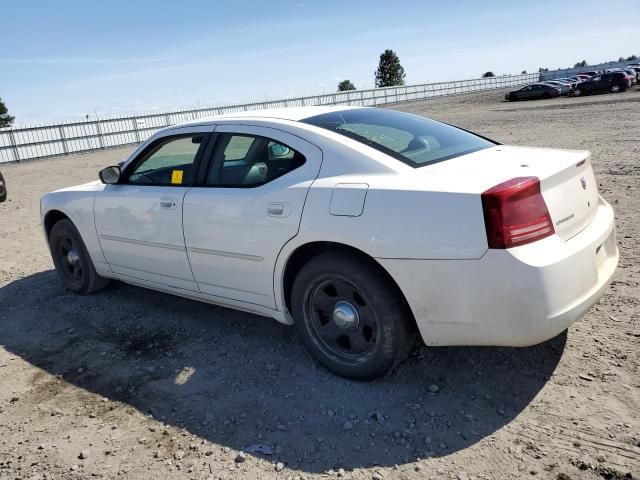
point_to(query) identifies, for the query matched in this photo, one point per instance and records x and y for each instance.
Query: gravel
(200, 382)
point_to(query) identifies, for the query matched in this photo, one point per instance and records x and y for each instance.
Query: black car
(613, 82)
(3, 189)
(534, 91)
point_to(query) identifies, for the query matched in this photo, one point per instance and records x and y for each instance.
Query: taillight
(515, 213)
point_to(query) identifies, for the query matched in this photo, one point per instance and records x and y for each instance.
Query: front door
(139, 220)
(527, 92)
(247, 208)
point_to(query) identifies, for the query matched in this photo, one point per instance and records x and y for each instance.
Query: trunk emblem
(584, 183)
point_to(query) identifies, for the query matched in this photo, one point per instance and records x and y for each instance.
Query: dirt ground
(130, 383)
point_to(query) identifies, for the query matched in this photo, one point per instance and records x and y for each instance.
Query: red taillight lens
(515, 213)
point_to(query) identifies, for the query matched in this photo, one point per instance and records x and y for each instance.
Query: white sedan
(362, 227)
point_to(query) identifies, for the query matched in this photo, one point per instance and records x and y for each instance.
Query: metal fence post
(63, 139)
(14, 145)
(99, 130)
(135, 128)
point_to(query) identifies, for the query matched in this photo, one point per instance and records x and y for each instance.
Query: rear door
(246, 208)
(139, 220)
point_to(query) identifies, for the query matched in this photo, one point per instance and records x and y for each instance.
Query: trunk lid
(566, 178)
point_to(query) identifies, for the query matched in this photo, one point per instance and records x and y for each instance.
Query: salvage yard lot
(147, 385)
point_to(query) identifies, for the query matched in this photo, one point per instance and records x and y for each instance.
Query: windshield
(414, 140)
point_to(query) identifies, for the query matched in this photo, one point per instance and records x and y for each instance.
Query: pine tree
(5, 119)
(390, 73)
(346, 85)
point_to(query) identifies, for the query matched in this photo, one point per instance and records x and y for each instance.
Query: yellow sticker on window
(176, 177)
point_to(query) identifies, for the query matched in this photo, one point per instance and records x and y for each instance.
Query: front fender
(76, 203)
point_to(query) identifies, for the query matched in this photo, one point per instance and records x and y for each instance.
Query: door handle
(168, 203)
(278, 209)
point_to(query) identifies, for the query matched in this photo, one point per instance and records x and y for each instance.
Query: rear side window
(237, 148)
(414, 140)
(245, 161)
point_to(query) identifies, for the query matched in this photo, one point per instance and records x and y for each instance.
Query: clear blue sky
(64, 59)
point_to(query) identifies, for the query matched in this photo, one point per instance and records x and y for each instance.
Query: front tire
(577, 92)
(72, 261)
(351, 317)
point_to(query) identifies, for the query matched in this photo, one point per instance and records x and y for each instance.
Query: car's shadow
(237, 379)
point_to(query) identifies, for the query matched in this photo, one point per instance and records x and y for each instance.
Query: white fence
(39, 141)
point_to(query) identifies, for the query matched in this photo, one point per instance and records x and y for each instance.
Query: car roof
(291, 113)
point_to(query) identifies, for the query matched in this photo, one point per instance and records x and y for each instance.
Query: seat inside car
(258, 166)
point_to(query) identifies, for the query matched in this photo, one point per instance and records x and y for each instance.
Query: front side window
(169, 162)
(414, 140)
(249, 161)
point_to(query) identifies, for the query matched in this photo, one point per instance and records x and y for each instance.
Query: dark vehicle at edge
(533, 92)
(3, 189)
(613, 82)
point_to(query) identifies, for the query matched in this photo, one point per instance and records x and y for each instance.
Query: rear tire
(615, 89)
(351, 317)
(72, 261)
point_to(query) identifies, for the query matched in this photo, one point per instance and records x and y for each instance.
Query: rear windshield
(414, 140)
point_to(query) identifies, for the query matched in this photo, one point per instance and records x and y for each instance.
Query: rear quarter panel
(396, 222)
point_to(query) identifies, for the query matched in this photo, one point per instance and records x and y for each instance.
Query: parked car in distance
(631, 75)
(636, 69)
(533, 92)
(3, 189)
(571, 81)
(613, 82)
(360, 226)
(565, 87)
(577, 79)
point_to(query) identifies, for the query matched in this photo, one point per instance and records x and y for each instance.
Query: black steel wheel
(351, 317)
(72, 261)
(342, 319)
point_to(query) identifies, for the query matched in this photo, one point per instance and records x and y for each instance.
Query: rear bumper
(515, 297)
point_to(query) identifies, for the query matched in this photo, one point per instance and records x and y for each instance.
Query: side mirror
(110, 175)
